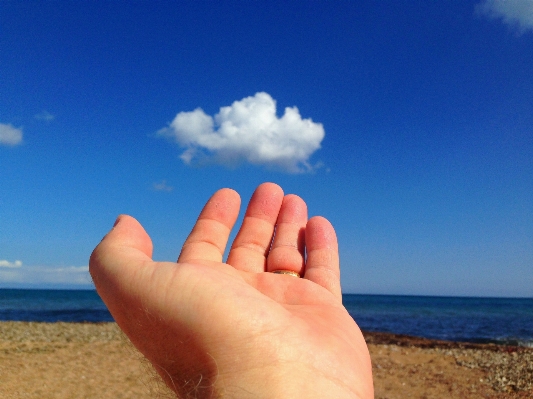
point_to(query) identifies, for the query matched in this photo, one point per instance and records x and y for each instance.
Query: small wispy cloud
(250, 131)
(11, 265)
(518, 14)
(162, 186)
(44, 275)
(10, 135)
(44, 116)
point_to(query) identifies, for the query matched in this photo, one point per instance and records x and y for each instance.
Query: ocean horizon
(506, 321)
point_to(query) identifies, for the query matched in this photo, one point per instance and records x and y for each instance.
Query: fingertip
(320, 233)
(230, 193)
(266, 201)
(128, 232)
(209, 236)
(269, 186)
(223, 206)
(117, 220)
(123, 217)
(270, 191)
(293, 210)
(322, 263)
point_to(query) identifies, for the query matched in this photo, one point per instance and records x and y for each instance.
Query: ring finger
(288, 248)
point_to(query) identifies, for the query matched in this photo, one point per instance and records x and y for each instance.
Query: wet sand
(84, 360)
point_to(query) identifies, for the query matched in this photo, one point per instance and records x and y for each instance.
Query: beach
(95, 360)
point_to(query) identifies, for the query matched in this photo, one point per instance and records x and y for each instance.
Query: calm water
(499, 320)
(52, 306)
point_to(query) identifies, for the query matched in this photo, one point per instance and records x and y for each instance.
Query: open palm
(232, 329)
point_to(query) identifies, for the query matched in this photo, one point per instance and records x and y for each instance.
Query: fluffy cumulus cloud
(515, 13)
(10, 135)
(248, 130)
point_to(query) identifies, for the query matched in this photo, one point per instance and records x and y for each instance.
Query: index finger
(210, 234)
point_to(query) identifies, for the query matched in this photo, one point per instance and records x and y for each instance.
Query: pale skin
(235, 330)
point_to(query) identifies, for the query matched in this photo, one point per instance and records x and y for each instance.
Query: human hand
(233, 329)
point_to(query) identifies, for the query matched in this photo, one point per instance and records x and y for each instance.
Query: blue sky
(409, 125)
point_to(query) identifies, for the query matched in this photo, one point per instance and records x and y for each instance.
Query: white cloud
(44, 275)
(45, 116)
(10, 135)
(515, 13)
(162, 186)
(248, 130)
(12, 265)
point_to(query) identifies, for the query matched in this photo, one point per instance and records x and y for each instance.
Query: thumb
(120, 253)
(128, 232)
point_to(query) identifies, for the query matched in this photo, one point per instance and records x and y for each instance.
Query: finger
(251, 246)
(322, 264)
(209, 235)
(118, 257)
(126, 234)
(287, 252)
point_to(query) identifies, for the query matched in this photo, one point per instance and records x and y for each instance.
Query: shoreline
(507, 370)
(95, 360)
(386, 338)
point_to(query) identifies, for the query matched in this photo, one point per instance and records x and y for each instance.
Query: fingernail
(117, 220)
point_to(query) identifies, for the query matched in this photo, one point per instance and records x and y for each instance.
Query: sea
(506, 321)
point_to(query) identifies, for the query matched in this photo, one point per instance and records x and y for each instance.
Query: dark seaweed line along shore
(508, 368)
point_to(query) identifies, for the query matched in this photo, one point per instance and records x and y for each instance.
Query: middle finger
(252, 243)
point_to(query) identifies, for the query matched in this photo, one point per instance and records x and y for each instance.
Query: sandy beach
(83, 360)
